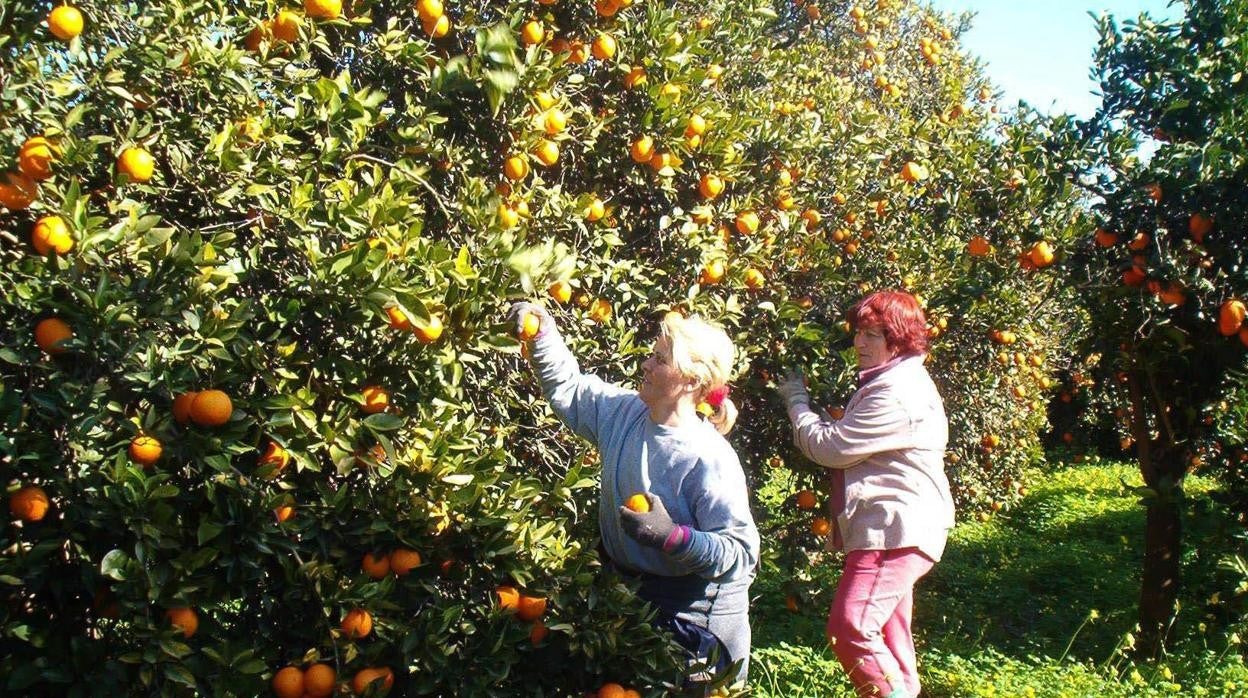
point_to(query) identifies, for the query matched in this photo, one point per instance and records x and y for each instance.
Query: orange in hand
(638, 503)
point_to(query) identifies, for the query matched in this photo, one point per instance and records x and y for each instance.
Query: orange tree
(261, 420)
(1164, 269)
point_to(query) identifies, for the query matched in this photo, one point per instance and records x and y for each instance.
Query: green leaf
(383, 422)
(208, 530)
(114, 565)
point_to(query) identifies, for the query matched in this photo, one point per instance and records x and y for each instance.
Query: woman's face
(872, 348)
(661, 383)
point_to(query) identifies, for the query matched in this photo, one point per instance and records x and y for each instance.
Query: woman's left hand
(793, 389)
(651, 528)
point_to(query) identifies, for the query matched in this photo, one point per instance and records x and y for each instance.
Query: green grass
(1037, 601)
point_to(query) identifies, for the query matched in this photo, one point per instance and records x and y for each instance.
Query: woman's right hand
(529, 320)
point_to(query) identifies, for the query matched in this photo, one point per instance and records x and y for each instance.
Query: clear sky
(1041, 51)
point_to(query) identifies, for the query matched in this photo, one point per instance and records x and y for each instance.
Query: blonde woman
(696, 549)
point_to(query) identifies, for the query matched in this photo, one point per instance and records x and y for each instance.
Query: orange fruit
(607, 8)
(376, 399)
(635, 77)
(747, 222)
(561, 291)
(812, 218)
(136, 164)
(184, 619)
(790, 602)
(603, 47)
(516, 168)
(538, 632)
(284, 513)
(820, 526)
(710, 186)
(182, 407)
(696, 125)
(398, 318)
(532, 32)
(531, 608)
(754, 278)
(712, 272)
(51, 235)
(285, 26)
(508, 218)
(1041, 254)
(1231, 316)
(376, 566)
(554, 121)
(978, 246)
(547, 153)
(638, 503)
(642, 150)
(29, 503)
(211, 408)
(429, 332)
(530, 324)
(35, 158)
(508, 598)
(144, 450)
(1104, 238)
(403, 560)
(429, 10)
(1199, 226)
(1153, 191)
(17, 192)
(806, 500)
(600, 311)
(913, 172)
(65, 22)
(275, 456)
(380, 677)
(49, 334)
(357, 623)
(319, 680)
(595, 210)
(322, 9)
(611, 690)
(288, 682)
(438, 27)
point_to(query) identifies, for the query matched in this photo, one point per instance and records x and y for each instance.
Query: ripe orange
(806, 500)
(595, 210)
(184, 619)
(1041, 254)
(1199, 226)
(508, 598)
(611, 690)
(288, 682)
(285, 26)
(1153, 191)
(635, 77)
(978, 246)
(145, 450)
(322, 9)
(284, 513)
(137, 164)
(712, 272)
(820, 526)
(516, 168)
(554, 121)
(747, 222)
(376, 566)
(913, 172)
(710, 186)
(1104, 238)
(429, 10)
(812, 218)
(547, 153)
(531, 608)
(319, 680)
(182, 407)
(696, 125)
(211, 408)
(17, 192)
(50, 333)
(755, 279)
(603, 47)
(438, 27)
(538, 632)
(642, 150)
(638, 503)
(430, 331)
(65, 22)
(398, 319)
(561, 291)
(357, 623)
(530, 324)
(600, 311)
(404, 560)
(607, 8)
(1231, 316)
(532, 32)
(29, 503)
(376, 399)
(790, 602)
(275, 456)
(51, 235)
(35, 158)
(364, 678)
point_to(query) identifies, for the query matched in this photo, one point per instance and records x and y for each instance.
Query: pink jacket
(890, 449)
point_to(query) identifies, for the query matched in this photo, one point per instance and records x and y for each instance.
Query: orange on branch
(30, 503)
(211, 408)
(51, 235)
(145, 450)
(50, 333)
(357, 623)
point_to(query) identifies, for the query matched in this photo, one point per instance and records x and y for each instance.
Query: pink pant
(869, 625)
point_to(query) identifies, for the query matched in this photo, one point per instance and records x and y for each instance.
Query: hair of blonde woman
(703, 353)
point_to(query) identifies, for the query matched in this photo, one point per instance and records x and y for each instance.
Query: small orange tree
(255, 379)
(1164, 269)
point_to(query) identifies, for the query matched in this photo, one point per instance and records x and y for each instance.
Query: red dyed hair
(897, 313)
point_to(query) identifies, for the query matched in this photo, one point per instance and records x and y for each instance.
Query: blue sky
(1041, 50)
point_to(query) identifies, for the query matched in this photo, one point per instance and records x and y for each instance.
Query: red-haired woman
(890, 496)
